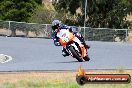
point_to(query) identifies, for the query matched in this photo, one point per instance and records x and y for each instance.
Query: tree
(45, 15)
(17, 10)
(100, 13)
(68, 9)
(39, 1)
(67, 6)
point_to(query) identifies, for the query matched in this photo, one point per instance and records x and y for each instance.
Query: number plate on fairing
(64, 35)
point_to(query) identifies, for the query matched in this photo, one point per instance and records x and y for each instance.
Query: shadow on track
(70, 62)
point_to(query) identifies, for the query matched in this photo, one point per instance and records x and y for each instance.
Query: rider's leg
(64, 52)
(86, 46)
(81, 38)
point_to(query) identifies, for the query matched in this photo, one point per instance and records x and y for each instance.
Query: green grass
(39, 84)
(59, 84)
(55, 80)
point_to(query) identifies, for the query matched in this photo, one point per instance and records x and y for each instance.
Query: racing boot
(64, 52)
(85, 45)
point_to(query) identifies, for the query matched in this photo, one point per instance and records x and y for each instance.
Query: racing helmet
(56, 24)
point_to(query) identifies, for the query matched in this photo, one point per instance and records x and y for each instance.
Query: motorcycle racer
(56, 27)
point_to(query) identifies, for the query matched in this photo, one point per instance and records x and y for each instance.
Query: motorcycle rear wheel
(86, 58)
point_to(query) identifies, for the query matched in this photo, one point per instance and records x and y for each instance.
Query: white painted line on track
(5, 58)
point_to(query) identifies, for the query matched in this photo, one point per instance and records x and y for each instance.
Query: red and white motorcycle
(73, 45)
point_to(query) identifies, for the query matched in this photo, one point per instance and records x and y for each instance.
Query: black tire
(86, 58)
(81, 80)
(75, 54)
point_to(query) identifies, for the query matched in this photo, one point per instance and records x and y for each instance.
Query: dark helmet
(56, 24)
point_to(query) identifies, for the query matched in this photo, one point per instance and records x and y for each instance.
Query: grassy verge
(54, 80)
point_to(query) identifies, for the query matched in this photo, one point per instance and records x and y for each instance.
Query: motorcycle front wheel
(75, 54)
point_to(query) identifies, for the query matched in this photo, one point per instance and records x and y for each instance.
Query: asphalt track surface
(40, 54)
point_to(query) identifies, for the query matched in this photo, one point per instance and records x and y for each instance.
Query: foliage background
(100, 13)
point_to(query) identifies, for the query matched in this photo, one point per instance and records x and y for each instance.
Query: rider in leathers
(56, 26)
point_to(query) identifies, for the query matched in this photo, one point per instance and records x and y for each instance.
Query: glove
(57, 43)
